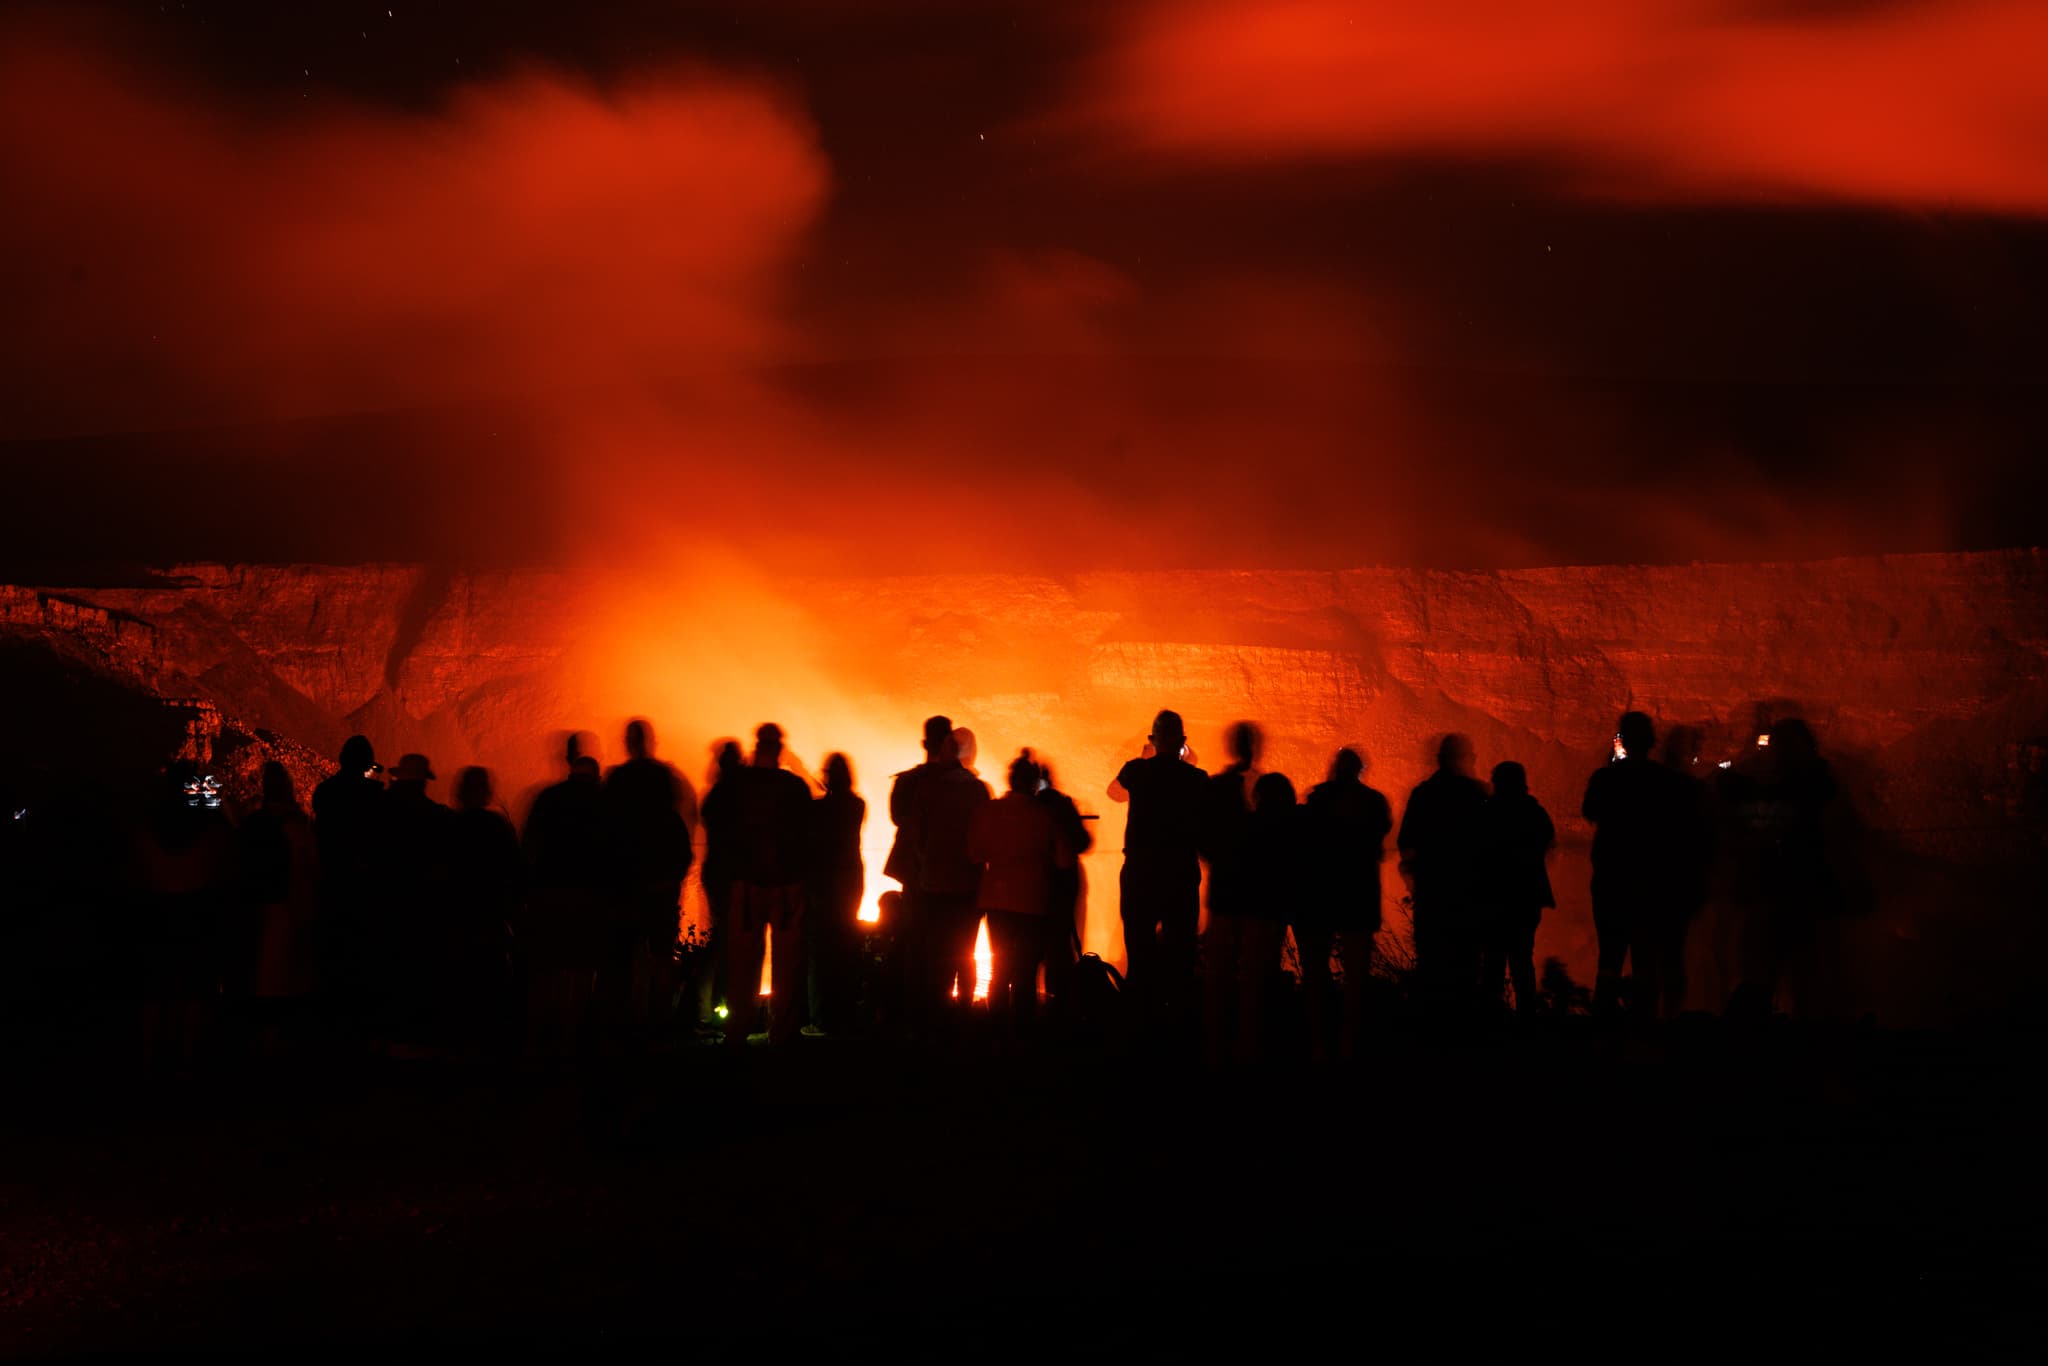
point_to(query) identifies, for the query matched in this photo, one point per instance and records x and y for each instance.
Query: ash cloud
(1933, 105)
(548, 317)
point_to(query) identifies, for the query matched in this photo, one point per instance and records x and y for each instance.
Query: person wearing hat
(1162, 875)
(350, 808)
(771, 838)
(933, 806)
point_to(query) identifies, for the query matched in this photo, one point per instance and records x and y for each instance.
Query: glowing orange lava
(870, 913)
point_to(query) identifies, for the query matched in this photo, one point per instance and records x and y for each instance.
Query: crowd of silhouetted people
(374, 916)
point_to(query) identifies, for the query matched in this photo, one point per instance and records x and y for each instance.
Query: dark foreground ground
(1785, 1194)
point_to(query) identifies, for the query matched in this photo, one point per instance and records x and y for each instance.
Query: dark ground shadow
(1791, 1192)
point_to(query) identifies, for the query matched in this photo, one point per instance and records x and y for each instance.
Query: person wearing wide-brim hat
(412, 768)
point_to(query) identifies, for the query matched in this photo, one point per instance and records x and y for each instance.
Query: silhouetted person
(1347, 827)
(280, 870)
(1692, 877)
(1640, 811)
(1162, 874)
(349, 827)
(1782, 795)
(414, 910)
(716, 816)
(934, 804)
(838, 880)
(1440, 836)
(906, 813)
(487, 882)
(648, 808)
(1518, 839)
(1018, 843)
(563, 928)
(187, 863)
(1276, 877)
(1062, 927)
(771, 836)
(1233, 947)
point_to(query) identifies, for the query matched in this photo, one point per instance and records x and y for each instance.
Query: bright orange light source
(983, 961)
(983, 968)
(870, 912)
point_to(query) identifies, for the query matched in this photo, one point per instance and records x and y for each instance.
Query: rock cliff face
(1925, 676)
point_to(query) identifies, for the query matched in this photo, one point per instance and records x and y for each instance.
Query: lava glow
(870, 913)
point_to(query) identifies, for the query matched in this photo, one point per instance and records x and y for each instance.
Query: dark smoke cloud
(539, 314)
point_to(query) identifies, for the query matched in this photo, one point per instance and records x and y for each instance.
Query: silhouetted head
(768, 745)
(1510, 779)
(579, 744)
(727, 757)
(277, 786)
(473, 788)
(1023, 773)
(1169, 733)
(1272, 792)
(964, 747)
(356, 755)
(1454, 754)
(583, 768)
(1245, 742)
(838, 773)
(1347, 767)
(938, 736)
(413, 770)
(639, 739)
(1792, 740)
(1638, 734)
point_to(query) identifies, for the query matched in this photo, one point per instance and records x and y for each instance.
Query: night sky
(911, 286)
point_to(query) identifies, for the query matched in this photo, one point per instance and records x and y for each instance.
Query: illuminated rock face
(1925, 675)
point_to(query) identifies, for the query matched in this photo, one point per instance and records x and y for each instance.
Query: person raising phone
(1162, 875)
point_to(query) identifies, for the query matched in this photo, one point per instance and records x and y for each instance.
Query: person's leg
(786, 1007)
(743, 965)
(1493, 958)
(924, 955)
(1471, 950)
(1057, 936)
(1015, 949)
(1313, 943)
(966, 929)
(1222, 945)
(1260, 965)
(1423, 932)
(1180, 921)
(665, 906)
(841, 928)
(1610, 929)
(1055, 952)
(1030, 954)
(1522, 963)
(1673, 974)
(1356, 948)
(1141, 922)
